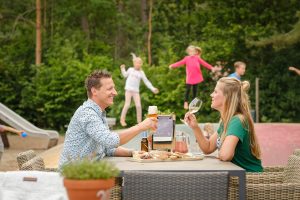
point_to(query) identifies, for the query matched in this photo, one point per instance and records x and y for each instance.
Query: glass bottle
(144, 142)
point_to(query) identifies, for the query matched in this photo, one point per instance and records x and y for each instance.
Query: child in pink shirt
(194, 76)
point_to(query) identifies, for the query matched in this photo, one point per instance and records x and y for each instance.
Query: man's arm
(128, 134)
(123, 152)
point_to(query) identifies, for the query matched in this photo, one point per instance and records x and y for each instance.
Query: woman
(235, 138)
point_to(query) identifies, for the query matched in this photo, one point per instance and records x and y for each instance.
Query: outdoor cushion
(32, 185)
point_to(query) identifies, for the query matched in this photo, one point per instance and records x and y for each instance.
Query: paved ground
(277, 141)
(19, 144)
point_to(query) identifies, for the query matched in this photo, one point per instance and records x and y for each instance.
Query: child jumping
(194, 76)
(134, 75)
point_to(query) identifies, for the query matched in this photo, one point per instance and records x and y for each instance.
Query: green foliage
(79, 37)
(89, 170)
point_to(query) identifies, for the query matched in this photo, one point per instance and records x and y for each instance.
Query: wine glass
(194, 107)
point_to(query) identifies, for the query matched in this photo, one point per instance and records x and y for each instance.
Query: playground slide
(18, 122)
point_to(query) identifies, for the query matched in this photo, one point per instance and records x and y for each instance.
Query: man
(88, 133)
(240, 68)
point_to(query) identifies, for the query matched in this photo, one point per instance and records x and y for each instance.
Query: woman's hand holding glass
(191, 120)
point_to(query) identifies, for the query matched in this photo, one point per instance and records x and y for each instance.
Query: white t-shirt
(134, 78)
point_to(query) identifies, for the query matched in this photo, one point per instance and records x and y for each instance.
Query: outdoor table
(208, 164)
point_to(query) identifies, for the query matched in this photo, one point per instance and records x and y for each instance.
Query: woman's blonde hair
(237, 103)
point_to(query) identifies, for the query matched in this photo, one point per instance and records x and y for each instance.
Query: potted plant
(89, 180)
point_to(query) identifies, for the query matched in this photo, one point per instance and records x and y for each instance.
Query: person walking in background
(194, 75)
(235, 138)
(240, 69)
(133, 76)
(297, 71)
(7, 129)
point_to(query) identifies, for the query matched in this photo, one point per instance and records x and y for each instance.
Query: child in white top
(132, 87)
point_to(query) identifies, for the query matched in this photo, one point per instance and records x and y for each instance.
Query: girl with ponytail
(133, 76)
(235, 138)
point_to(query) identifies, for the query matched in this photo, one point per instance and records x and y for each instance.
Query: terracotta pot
(89, 189)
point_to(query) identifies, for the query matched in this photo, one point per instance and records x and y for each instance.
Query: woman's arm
(227, 150)
(207, 145)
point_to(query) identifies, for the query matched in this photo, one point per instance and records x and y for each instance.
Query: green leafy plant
(87, 169)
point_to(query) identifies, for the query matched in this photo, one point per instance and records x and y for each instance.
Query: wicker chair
(274, 184)
(28, 160)
(116, 192)
(296, 152)
(271, 185)
(284, 185)
(36, 164)
(280, 168)
(175, 185)
(25, 156)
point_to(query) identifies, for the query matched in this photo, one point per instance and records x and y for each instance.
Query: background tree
(38, 48)
(79, 37)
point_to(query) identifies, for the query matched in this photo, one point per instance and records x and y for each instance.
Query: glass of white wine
(194, 107)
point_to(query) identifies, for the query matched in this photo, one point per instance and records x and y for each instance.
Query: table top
(209, 163)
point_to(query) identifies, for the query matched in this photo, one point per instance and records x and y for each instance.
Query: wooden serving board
(197, 157)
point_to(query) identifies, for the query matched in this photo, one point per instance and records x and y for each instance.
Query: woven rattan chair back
(36, 163)
(297, 152)
(175, 185)
(24, 157)
(291, 173)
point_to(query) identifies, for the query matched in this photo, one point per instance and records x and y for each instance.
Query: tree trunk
(38, 48)
(144, 11)
(45, 14)
(119, 34)
(51, 20)
(150, 32)
(85, 26)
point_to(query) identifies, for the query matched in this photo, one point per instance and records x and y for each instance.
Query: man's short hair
(94, 80)
(238, 64)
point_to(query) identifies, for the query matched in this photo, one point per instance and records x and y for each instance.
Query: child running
(194, 75)
(240, 69)
(134, 75)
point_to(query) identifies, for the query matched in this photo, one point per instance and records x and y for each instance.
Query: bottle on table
(144, 142)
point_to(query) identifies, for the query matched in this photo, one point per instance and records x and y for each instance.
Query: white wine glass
(194, 107)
